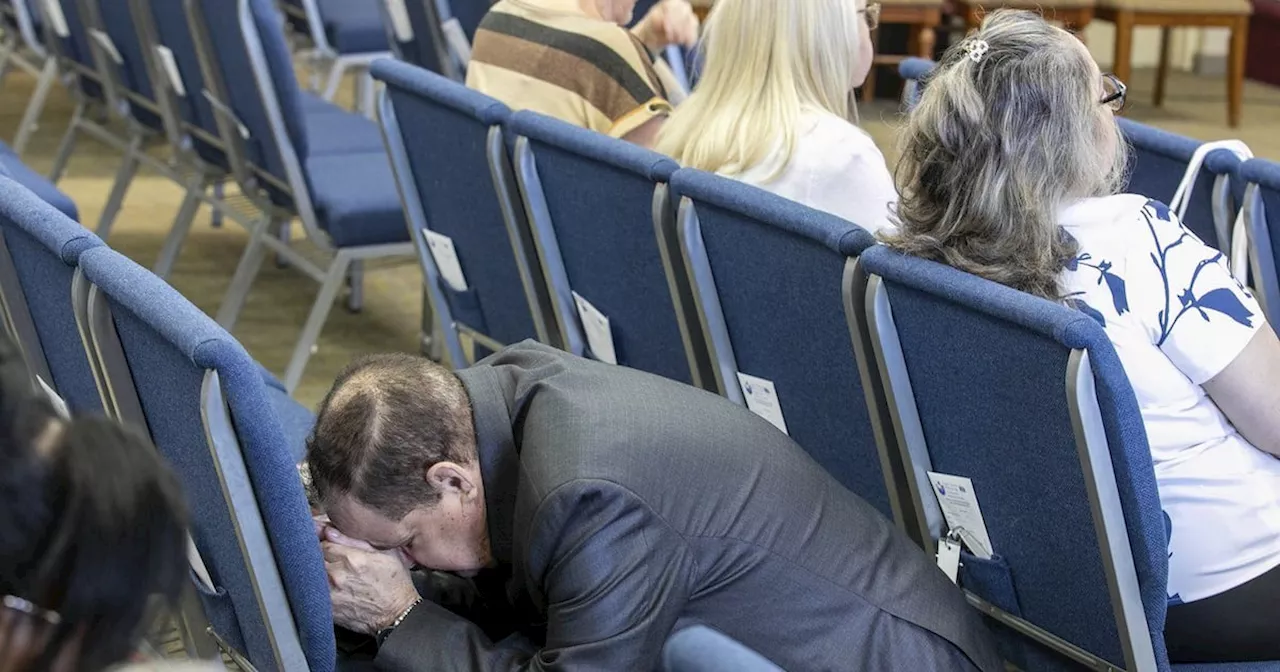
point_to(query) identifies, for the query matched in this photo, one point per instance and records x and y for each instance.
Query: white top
(1177, 319)
(836, 167)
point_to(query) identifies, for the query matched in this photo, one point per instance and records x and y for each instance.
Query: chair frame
(16, 313)
(39, 65)
(1262, 261)
(454, 331)
(866, 293)
(340, 261)
(324, 57)
(119, 394)
(1126, 20)
(547, 245)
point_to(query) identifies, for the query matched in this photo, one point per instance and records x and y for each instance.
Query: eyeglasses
(1113, 92)
(873, 15)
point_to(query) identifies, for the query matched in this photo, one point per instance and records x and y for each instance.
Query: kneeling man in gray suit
(606, 508)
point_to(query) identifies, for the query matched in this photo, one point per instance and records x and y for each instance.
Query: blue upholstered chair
(1159, 161)
(417, 31)
(701, 649)
(767, 277)
(13, 167)
(471, 198)
(603, 228)
(170, 371)
(1262, 217)
(24, 45)
(346, 199)
(40, 248)
(913, 71)
(1028, 399)
(344, 35)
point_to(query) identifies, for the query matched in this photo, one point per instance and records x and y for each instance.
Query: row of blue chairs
(703, 278)
(213, 81)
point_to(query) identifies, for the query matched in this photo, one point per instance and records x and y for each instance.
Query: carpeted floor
(281, 298)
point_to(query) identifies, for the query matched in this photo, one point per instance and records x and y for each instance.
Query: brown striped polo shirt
(550, 57)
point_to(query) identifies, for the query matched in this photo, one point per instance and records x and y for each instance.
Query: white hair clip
(975, 49)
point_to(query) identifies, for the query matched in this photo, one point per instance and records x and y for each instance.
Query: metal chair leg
(7, 47)
(124, 178)
(315, 321)
(246, 272)
(355, 280)
(178, 233)
(285, 233)
(31, 118)
(219, 195)
(336, 70)
(66, 145)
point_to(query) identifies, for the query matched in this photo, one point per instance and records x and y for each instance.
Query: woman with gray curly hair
(1010, 170)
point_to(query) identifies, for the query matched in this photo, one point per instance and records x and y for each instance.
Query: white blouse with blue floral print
(1177, 318)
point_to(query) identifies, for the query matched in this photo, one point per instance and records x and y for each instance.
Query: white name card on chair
(596, 327)
(959, 505)
(762, 399)
(59, 406)
(446, 257)
(104, 40)
(170, 65)
(400, 20)
(53, 9)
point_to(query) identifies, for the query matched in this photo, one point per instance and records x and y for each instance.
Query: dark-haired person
(610, 507)
(91, 526)
(1011, 170)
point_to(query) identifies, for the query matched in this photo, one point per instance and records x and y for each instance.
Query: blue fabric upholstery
(75, 47)
(701, 649)
(173, 31)
(37, 183)
(1264, 231)
(778, 268)
(599, 194)
(117, 21)
(46, 248)
(333, 130)
(356, 198)
(1160, 159)
(440, 118)
(163, 333)
(353, 26)
(987, 367)
(915, 68)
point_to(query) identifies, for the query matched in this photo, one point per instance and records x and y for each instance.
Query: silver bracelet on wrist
(382, 634)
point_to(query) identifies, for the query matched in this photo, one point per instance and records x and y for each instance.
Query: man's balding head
(387, 420)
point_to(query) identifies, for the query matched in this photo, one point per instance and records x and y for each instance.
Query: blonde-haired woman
(1010, 168)
(774, 107)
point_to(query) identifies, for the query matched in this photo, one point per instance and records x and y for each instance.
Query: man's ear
(450, 477)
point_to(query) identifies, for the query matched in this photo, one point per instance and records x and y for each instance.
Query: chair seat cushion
(1181, 6)
(333, 130)
(356, 199)
(354, 26)
(11, 165)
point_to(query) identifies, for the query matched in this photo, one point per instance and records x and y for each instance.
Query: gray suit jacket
(627, 506)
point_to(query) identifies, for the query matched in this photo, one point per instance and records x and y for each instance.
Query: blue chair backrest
(205, 405)
(115, 18)
(41, 250)
(469, 14)
(426, 47)
(1160, 160)
(701, 649)
(173, 31)
(230, 45)
(768, 277)
(75, 48)
(448, 137)
(1262, 212)
(1028, 399)
(591, 202)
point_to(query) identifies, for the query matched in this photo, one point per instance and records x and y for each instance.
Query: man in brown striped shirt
(573, 60)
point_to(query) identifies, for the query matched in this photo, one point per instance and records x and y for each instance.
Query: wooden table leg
(869, 85)
(1235, 71)
(1162, 68)
(1122, 67)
